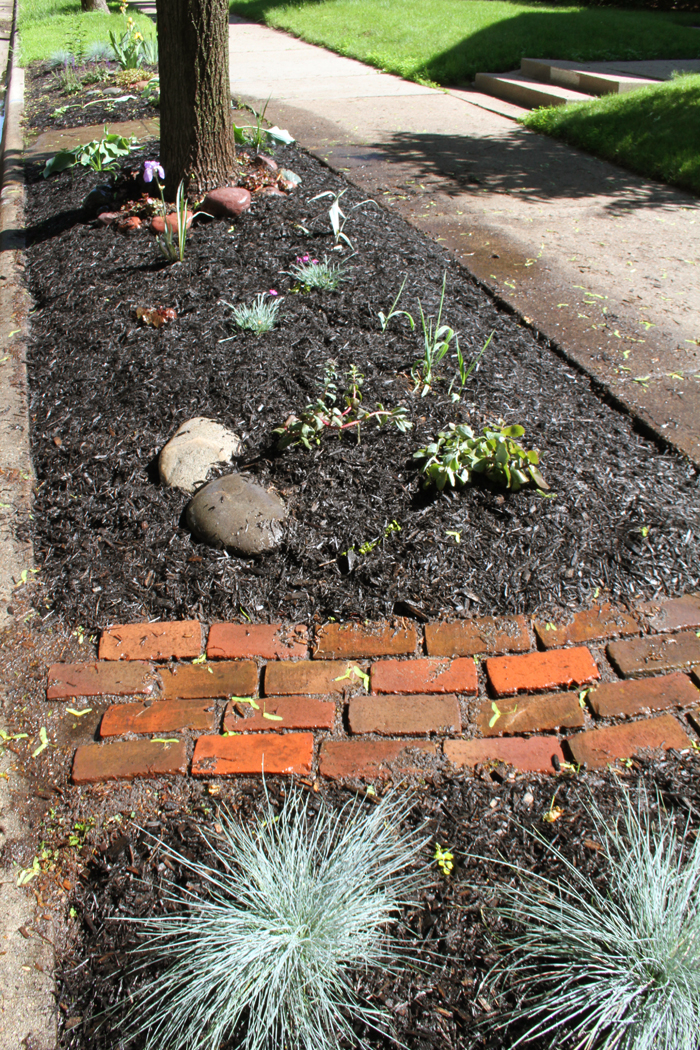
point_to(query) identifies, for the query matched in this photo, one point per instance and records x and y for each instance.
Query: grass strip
(450, 41)
(654, 131)
(48, 26)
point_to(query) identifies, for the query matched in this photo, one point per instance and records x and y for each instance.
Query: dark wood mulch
(107, 393)
(453, 927)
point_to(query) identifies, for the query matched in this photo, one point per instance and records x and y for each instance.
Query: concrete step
(576, 77)
(523, 91)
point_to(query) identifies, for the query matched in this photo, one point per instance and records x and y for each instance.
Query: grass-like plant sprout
(325, 275)
(337, 216)
(332, 411)
(261, 942)
(259, 316)
(436, 342)
(460, 452)
(613, 966)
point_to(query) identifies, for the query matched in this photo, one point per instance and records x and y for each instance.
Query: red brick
(180, 640)
(612, 699)
(296, 712)
(197, 681)
(341, 759)
(485, 634)
(336, 641)
(162, 716)
(127, 759)
(273, 641)
(424, 676)
(311, 677)
(533, 754)
(592, 625)
(101, 679)
(599, 747)
(405, 715)
(224, 756)
(509, 675)
(531, 714)
(643, 657)
(677, 614)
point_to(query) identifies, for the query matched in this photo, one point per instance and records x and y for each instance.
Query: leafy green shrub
(324, 414)
(260, 944)
(459, 453)
(613, 966)
(100, 154)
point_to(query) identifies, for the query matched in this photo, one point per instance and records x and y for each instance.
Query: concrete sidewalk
(600, 261)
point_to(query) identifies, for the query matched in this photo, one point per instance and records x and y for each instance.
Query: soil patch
(107, 393)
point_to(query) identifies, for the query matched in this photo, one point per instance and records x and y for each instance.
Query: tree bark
(196, 139)
(95, 5)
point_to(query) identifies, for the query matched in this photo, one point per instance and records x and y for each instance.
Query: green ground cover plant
(654, 131)
(49, 26)
(449, 41)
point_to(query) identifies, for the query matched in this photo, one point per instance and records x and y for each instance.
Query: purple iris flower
(150, 169)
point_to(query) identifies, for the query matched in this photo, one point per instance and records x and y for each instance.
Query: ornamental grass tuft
(611, 966)
(259, 946)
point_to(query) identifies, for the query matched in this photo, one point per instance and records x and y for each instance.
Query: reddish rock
(424, 676)
(269, 191)
(129, 224)
(106, 218)
(612, 699)
(599, 747)
(603, 621)
(271, 641)
(128, 759)
(530, 714)
(220, 679)
(101, 679)
(180, 640)
(676, 615)
(560, 668)
(694, 717)
(341, 759)
(535, 754)
(278, 713)
(261, 160)
(162, 716)
(311, 677)
(405, 715)
(226, 202)
(158, 222)
(643, 657)
(335, 641)
(484, 634)
(271, 754)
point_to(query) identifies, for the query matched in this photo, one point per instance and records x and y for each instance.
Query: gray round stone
(235, 513)
(197, 446)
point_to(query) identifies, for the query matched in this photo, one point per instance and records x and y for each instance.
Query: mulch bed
(107, 393)
(48, 105)
(452, 927)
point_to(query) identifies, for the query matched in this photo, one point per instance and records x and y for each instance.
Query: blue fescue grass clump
(613, 966)
(259, 316)
(290, 905)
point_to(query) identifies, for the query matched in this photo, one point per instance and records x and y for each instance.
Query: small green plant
(100, 154)
(131, 50)
(324, 414)
(258, 948)
(76, 40)
(337, 217)
(241, 138)
(614, 963)
(166, 241)
(259, 316)
(393, 312)
(460, 452)
(436, 342)
(310, 273)
(68, 80)
(444, 859)
(98, 52)
(464, 370)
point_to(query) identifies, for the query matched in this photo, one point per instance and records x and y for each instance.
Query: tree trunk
(196, 139)
(95, 5)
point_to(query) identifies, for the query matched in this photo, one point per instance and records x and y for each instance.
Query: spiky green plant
(291, 905)
(259, 316)
(324, 275)
(612, 967)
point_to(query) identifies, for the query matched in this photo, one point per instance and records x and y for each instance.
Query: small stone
(112, 91)
(270, 191)
(158, 222)
(227, 202)
(235, 513)
(196, 447)
(528, 799)
(289, 179)
(106, 218)
(261, 160)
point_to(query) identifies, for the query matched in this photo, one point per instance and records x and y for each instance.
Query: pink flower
(273, 292)
(314, 261)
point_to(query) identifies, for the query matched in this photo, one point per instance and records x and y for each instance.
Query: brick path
(386, 700)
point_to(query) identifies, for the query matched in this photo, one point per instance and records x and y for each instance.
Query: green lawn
(449, 41)
(46, 26)
(654, 131)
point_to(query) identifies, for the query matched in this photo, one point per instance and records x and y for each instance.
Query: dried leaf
(155, 316)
